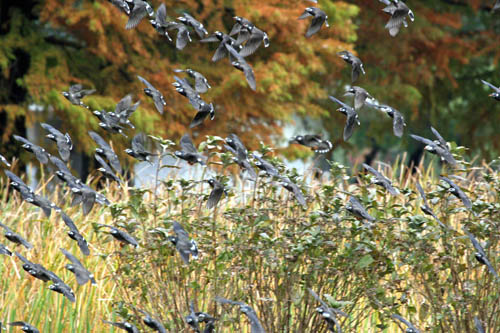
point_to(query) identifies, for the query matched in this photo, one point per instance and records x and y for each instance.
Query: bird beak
(491, 95)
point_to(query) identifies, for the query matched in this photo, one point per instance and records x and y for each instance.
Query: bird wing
(187, 145)
(99, 140)
(161, 15)
(253, 42)
(398, 123)
(475, 243)
(250, 76)
(497, 89)
(438, 136)
(143, 80)
(423, 140)
(349, 125)
(103, 163)
(315, 25)
(137, 14)
(304, 15)
(215, 196)
(123, 104)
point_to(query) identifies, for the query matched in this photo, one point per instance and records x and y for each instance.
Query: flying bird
(224, 40)
(315, 142)
(123, 325)
(109, 121)
(496, 6)
(15, 238)
(457, 192)
(293, 188)
(319, 18)
(151, 322)
(75, 94)
(480, 254)
(241, 158)
(189, 153)
(63, 141)
(40, 153)
(256, 326)
(352, 117)
(265, 166)
(120, 235)
(4, 161)
(25, 327)
(410, 328)
(398, 121)
(355, 62)
(201, 84)
(124, 110)
(398, 11)
(329, 314)
(160, 22)
(185, 246)
(36, 270)
(238, 62)
(106, 169)
(496, 90)
(105, 150)
(75, 234)
(216, 194)
(5, 250)
(426, 208)
(249, 33)
(438, 147)
(193, 23)
(360, 96)
(121, 5)
(356, 208)
(381, 180)
(154, 93)
(139, 11)
(192, 319)
(81, 273)
(138, 151)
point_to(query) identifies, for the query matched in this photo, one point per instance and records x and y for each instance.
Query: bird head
(71, 234)
(182, 19)
(65, 94)
(148, 92)
(238, 19)
(129, 151)
(50, 136)
(297, 139)
(219, 35)
(211, 182)
(172, 239)
(180, 154)
(190, 71)
(342, 110)
(70, 267)
(495, 95)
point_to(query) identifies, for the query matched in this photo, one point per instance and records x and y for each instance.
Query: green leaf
(364, 262)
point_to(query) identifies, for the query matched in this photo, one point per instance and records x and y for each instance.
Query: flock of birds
(248, 39)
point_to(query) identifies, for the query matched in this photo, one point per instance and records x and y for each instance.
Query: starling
(36, 270)
(426, 208)
(328, 314)
(352, 117)
(438, 147)
(41, 155)
(138, 151)
(200, 82)
(217, 190)
(15, 238)
(256, 326)
(189, 153)
(457, 192)
(193, 23)
(185, 246)
(139, 11)
(192, 319)
(356, 209)
(319, 18)
(75, 94)
(240, 157)
(4, 161)
(74, 234)
(25, 327)
(154, 93)
(496, 93)
(105, 150)
(480, 255)
(398, 11)
(81, 273)
(121, 5)
(106, 169)
(265, 166)
(160, 23)
(152, 323)
(355, 62)
(5, 250)
(124, 110)
(410, 328)
(249, 33)
(183, 36)
(315, 142)
(204, 111)
(223, 40)
(123, 325)
(398, 121)
(109, 121)
(293, 188)
(121, 235)
(381, 180)
(63, 141)
(360, 96)
(238, 62)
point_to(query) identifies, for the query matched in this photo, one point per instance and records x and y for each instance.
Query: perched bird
(75, 94)
(74, 234)
(457, 192)
(480, 255)
(200, 82)
(4, 161)
(25, 327)
(5, 250)
(360, 96)
(81, 273)
(249, 33)
(15, 238)
(109, 121)
(124, 110)
(217, 190)
(293, 188)
(123, 325)
(426, 208)
(381, 180)
(121, 235)
(106, 169)
(398, 121)
(189, 153)
(356, 208)
(438, 147)
(265, 166)
(319, 18)
(121, 5)
(398, 11)
(152, 323)
(329, 314)
(477, 322)
(315, 142)
(410, 328)
(496, 93)
(63, 141)
(223, 41)
(137, 150)
(154, 93)
(193, 23)
(139, 11)
(238, 62)
(160, 22)
(352, 117)
(185, 246)
(105, 150)
(41, 154)
(355, 62)
(256, 326)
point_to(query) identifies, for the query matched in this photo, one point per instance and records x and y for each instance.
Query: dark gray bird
(426, 208)
(75, 94)
(480, 254)
(124, 110)
(256, 326)
(183, 87)
(106, 169)
(438, 147)
(410, 328)
(105, 150)
(204, 111)
(217, 190)
(381, 180)
(154, 93)
(319, 18)
(36, 270)
(223, 40)
(192, 319)
(496, 90)
(185, 246)
(496, 7)
(160, 22)
(74, 234)
(235, 143)
(329, 314)
(81, 273)
(62, 288)
(121, 5)
(398, 121)
(25, 327)
(123, 325)
(109, 121)
(477, 322)
(63, 141)
(457, 192)
(238, 62)
(352, 117)
(183, 36)
(139, 11)
(4, 161)
(19, 185)
(41, 154)
(356, 208)
(15, 238)
(189, 153)
(398, 11)
(355, 62)
(315, 142)
(200, 82)
(293, 188)
(240, 157)
(249, 33)
(138, 151)
(5, 250)
(193, 23)
(151, 322)
(265, 166)
(120, 235)
(360, 96)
